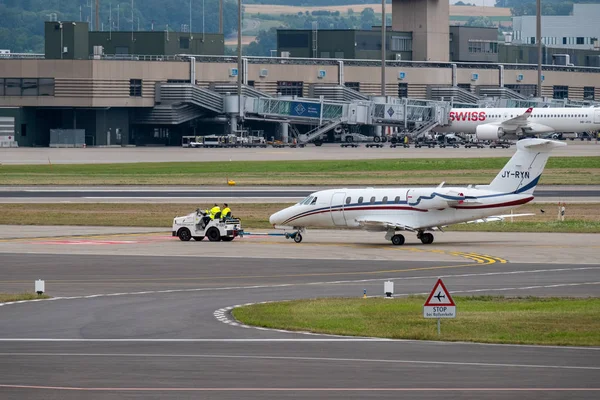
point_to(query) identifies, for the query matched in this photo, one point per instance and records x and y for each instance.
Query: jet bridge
(410, 115)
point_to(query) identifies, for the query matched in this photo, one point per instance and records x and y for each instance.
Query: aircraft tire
(298, 238)
(398, 240)
(427, 238)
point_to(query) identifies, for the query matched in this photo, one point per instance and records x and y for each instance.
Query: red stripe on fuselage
(507, 204)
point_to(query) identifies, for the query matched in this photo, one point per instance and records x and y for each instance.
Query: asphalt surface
(25, 155)
(145, 327)
(220, 193)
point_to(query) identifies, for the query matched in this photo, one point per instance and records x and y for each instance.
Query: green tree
(264, 43)
(480, 21)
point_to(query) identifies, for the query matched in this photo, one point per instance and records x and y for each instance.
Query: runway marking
(224, 314)
(408, 278)
(319, 359)
(229, 389)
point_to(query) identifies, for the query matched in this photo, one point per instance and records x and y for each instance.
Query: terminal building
(152, 88)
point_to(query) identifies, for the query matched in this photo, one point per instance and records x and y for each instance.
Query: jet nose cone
(275, 218)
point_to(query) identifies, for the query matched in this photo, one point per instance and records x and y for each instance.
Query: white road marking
(409, 278)
(319, 359)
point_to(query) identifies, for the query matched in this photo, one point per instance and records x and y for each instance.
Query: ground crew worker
(214, 211)
(226, 210)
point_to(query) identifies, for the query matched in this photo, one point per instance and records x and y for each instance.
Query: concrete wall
(461, 37)
(74, 38)
(583, 23)
(429, 22)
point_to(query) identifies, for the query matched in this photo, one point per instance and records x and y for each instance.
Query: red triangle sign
(439, 296)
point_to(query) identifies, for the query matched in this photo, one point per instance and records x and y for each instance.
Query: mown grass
(580, 218)
(7, 297)
(124, 215)
(544, 321)
(575, 170)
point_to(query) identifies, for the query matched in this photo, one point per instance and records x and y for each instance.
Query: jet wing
(497, 218)
(519, 120)
(384, 223)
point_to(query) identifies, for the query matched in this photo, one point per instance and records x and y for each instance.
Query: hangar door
(7, 131)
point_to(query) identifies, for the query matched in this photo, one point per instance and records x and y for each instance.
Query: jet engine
(489, 132)
(433, 199)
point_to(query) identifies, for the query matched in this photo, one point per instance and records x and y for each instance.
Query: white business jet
(420, 210)
(512, 123)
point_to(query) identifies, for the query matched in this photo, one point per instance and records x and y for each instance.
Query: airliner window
(313, 202)
(372, 199)
(397, 199)
(360, 200)
(384, 200)
(348, 200)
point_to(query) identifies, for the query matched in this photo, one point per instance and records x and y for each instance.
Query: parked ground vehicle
(500, 144)
(219, 229)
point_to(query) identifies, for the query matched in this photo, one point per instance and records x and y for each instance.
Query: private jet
(421, 210)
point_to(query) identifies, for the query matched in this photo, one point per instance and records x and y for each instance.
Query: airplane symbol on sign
(439, 296)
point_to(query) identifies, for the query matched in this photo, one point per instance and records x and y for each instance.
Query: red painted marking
(94, 242)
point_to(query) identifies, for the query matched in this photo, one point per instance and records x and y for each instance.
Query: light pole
(538, 35)
(62, 48)
(239, 74)
(383, 28)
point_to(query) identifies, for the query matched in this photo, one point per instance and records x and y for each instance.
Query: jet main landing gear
(398, 240)
(426, 238)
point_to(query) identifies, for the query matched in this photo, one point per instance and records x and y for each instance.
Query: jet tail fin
(523, 171)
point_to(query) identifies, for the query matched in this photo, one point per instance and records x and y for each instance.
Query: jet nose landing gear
(297, 236)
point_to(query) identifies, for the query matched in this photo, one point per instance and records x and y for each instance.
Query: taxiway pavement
(326, 152)
(127, 324)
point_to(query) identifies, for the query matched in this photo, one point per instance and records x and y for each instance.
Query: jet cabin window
(348, 200)
(373, 200)
(360, 200)
(397, 199)
(384, 200)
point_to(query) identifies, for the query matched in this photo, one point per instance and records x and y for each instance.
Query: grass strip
(7, 297)
(580, 218)
(484, 319)
(575, 170)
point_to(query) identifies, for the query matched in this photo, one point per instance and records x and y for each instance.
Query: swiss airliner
(421, 210)
(512, 123)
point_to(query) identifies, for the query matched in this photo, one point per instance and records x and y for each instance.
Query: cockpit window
(306, 201)
(313, 202)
